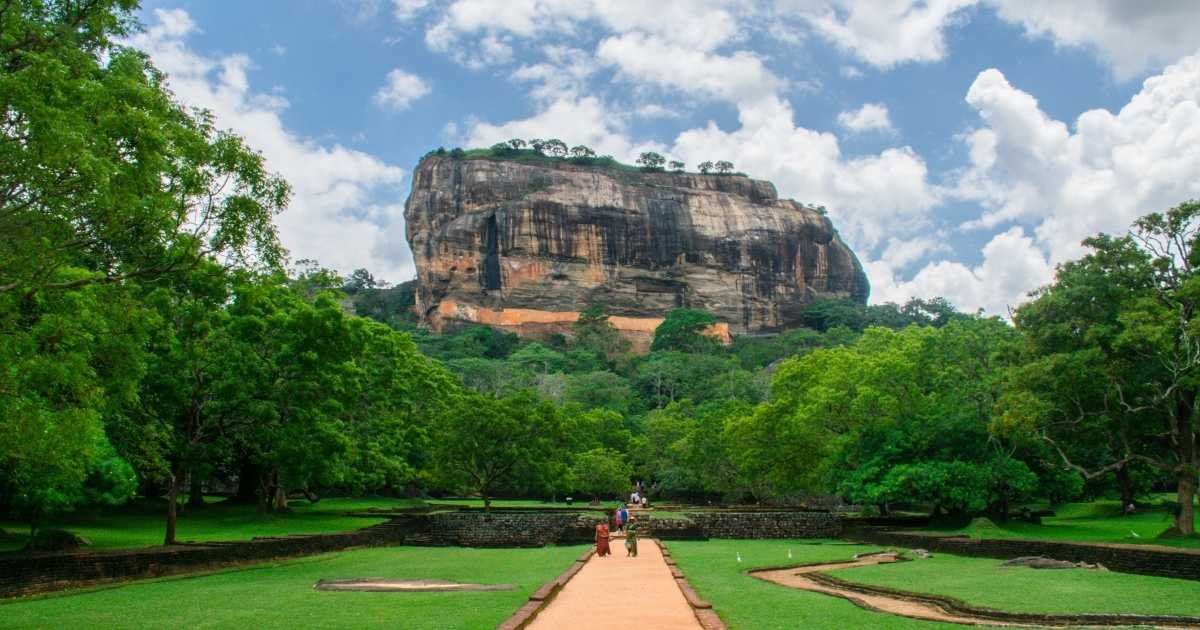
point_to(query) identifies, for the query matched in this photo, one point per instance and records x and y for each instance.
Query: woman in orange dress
(602, 540)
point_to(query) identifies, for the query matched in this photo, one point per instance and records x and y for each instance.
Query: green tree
(581, 152)
(602, 390)
(705, 167)
(517, 144)
(683, 330)
(651, 161)
(555, 148)
(601, 471)
(724, 167)
(676, 166)
(593, 331)
(1136, 299)
(104, 171)
(490, 445)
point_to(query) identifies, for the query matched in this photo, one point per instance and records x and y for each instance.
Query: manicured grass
(745, 602)
(983, 582)
(281, 595)
(749, 603)
(142, 524)
(1099, 521)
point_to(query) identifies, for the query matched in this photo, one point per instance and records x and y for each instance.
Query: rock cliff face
(526, 245)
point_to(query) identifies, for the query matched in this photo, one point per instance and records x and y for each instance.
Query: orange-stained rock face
(534, 323)
(526, 246)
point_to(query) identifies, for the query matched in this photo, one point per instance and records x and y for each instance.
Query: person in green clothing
(631, 537)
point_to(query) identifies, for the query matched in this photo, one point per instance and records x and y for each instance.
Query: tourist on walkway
(631, 538)
(622, 517)
(602, 540)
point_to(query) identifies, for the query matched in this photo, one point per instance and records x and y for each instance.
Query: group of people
(622, 522)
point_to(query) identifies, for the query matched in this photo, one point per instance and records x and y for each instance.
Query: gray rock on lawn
(921, 553)
(56, 540)
(1039, 562)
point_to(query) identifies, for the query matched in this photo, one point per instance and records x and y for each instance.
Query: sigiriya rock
(524, 245)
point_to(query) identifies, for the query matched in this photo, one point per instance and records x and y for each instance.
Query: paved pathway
(620, 592)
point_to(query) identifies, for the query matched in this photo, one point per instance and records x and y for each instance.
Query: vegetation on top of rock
(551, 150)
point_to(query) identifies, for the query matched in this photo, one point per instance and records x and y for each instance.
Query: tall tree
(1133, 302)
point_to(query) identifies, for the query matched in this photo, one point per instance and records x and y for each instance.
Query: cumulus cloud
(696, 24)
(738, 77)
(869, 197)
(869, 117)
(1130, 36)
(1099, 176)
(882, 33)
(336, 189)
(1012, 265)
(400, 90)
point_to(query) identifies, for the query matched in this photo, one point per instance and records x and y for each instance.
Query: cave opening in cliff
(490, 278)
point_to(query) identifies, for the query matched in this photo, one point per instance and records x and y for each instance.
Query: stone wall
(508, 529)
(1143, 559)
(768, 524)
(28, 573)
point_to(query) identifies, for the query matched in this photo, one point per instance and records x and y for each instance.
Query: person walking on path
(602, 540)
(631, 538)
(622, 517)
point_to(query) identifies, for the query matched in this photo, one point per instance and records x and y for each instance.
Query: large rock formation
(525, 245)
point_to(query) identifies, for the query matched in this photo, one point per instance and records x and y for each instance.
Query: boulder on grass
(56, 540)
(1039, 562)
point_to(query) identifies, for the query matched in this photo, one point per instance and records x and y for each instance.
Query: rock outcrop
(525, 245)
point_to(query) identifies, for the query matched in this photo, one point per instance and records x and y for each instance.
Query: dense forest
(154, 337)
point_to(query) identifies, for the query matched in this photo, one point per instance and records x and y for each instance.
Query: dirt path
(797, 577)
(620, 592)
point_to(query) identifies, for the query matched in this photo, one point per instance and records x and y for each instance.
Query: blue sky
(963, 147)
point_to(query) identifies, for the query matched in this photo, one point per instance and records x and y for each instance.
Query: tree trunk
(1185, 522)
(279, 497)
(249, 481)
(172, 501)
(1125, 483)
(196, 491)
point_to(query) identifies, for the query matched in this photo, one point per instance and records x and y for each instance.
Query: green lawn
(142, 524)
(749, 603)
(1099, 521)
(983, 582)
(281, 595)
(745, 602)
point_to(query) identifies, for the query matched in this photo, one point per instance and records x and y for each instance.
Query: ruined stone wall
(768, 524)
(1143, 559)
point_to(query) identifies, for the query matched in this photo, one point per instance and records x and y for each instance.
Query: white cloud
(850, 72)
(869, 117)
(332, 217)
(278, 50)
(653, 111)
(1012, 266)
(696, 24)
(1130, 36)
(883, 33)
(405, 10)
(1100, 176)
(400, 90)
(869, 197)
(582, 120)
(738, 77)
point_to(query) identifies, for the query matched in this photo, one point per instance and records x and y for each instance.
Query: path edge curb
(542, 597)
(701, 609)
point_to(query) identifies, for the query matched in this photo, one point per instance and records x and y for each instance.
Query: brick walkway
(620, 592)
